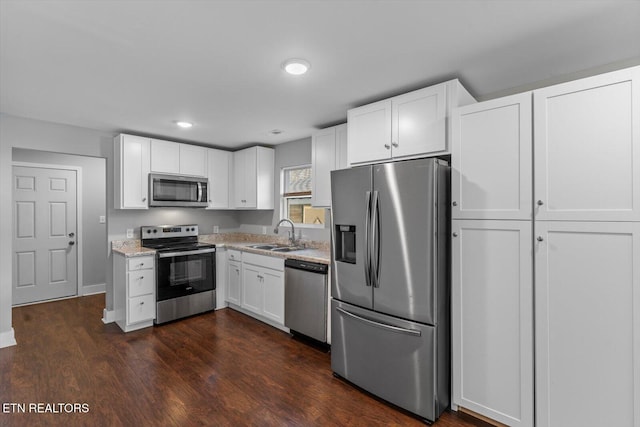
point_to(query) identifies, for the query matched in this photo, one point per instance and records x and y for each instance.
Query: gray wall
(94, 234)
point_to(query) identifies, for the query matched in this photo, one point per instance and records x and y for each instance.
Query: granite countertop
(315, 251)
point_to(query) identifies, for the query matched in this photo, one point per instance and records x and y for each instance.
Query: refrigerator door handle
(375, 242)
(414, 332)
(367, 248)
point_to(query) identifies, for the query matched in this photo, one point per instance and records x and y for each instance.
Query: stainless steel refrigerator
(390, 290)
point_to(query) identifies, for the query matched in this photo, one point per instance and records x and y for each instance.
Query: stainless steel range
(185, 271)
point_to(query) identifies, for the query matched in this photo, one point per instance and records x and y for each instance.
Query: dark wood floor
(222, 368)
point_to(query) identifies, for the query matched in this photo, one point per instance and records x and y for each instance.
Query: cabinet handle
(141, 277)
(395, 144)
(540, 203)
(141, 302)
(454, 203)
(455, 234)
(387, 146)
(540, 239)
(144, 199)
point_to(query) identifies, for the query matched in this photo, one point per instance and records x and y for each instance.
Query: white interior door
(44, 234)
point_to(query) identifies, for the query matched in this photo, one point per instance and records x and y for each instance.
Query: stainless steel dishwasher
(305, 298)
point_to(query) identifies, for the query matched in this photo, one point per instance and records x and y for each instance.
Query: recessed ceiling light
(296, 66)
(184, 124)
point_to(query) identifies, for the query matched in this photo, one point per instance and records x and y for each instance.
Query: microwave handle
(199, 197)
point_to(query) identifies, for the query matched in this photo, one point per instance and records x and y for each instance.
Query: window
(296, 198)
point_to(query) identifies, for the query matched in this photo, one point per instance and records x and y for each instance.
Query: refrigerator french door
(391, 285)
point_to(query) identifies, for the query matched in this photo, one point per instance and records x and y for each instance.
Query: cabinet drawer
(141, 282)
(140, 263)
(234, 255)
(263, 261)
(142, 308)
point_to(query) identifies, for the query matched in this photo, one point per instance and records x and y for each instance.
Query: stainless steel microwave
(178, 191)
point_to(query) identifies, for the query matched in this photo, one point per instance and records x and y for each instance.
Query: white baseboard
(7, 339)
(98, 288)
(108, 316)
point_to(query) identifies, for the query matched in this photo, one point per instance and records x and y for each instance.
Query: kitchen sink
(276, 247)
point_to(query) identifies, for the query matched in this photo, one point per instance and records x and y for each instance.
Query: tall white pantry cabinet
(576, 231)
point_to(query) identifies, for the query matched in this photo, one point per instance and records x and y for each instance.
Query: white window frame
(283, 199)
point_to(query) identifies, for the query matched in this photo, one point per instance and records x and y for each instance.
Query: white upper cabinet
(165, 156)
(587, 299)
(218, 168)
(131, 172)
(328, 152)
(253, 178)
(587, 149)
(174, 157)
(193, 160)
(491, 156)
(492, 319)
(406, 126)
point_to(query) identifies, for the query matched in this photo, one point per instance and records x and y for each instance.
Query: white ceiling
(138, 65)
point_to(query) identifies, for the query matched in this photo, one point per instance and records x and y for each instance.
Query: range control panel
(162, 231)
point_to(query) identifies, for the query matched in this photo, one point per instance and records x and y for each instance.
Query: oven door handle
(183, 253)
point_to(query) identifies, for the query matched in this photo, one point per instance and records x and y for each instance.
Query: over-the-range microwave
(178, 191)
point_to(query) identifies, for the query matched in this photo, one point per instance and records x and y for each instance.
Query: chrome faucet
(292, 238)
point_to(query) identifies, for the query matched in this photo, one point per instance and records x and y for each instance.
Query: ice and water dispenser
(346, 243)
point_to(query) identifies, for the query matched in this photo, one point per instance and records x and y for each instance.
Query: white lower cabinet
(263, 286)
(134, 289)
(234, 276)
(587, 323)
(492, 319)
(221, 277)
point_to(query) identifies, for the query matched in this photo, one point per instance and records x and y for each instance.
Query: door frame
(78, 171)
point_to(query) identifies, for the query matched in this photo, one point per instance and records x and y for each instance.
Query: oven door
(185, 273)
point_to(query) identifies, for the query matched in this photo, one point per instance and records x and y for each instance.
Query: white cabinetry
(491, 159)
(218, 169)
(406, 126)
(174, 157)
(134, 291)
(253, 178)
(328, 152)
(492, 315)
(234, 276)
(587, 323)
(263, 286)
(131, 172)
(586, 253)
(221, 277)
(587, 149)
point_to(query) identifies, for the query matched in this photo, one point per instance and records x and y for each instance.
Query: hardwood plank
(221, 368)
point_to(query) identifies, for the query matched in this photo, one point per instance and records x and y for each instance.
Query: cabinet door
(141, 308)
(342, 161)
(234, 282)
(135, 172)
(250, 178)
(491, 157)
(587, 323)
(252, 283)
(273, 287)
(219, 162)
(323, 157)
(193, 160)
(165, 156)
(369, 130)
(419, 122)
(587, 149)
(492, 319)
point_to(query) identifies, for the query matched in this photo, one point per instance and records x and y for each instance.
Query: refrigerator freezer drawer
(393, 359)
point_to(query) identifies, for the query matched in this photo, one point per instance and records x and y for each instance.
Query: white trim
(7, 339)
(283, 202)
(79, 235)
(108, 316)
